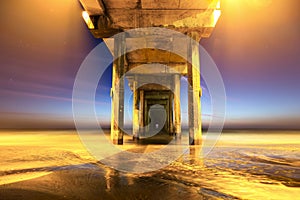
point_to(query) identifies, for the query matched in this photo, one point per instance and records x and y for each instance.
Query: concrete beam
(159, 68)
(93, 7)
(178, 18)
(125, 4)
(113, 16)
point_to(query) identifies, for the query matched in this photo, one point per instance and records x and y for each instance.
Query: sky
(255, 46)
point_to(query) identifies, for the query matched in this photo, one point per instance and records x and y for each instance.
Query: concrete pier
(156, 90)
(117, 116)
(194, 92)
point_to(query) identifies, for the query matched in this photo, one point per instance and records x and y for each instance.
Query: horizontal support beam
(165, 68)
(93, 7)
(179, 15)
(160, 4)
(133, 18)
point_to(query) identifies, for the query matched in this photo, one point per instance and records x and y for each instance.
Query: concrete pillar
(141, 111)
(168, 117)
(194, 92)
(146, 116)
(135, 112)
(170, 114)
(177, 113)
(117, 115)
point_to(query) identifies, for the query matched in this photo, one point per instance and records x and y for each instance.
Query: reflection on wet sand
(55, 165)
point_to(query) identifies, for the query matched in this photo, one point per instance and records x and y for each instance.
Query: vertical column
(141, 112)
(146, 116)
(167, 108)
(135, 114)
(117, 115)
(170, 105)
(194, 91)
(177, 113)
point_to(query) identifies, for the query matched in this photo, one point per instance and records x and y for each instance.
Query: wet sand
(243, 165)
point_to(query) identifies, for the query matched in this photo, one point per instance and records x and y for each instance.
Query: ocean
(242, 165)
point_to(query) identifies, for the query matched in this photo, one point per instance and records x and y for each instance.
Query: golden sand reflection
(21, 177)
(242, 165)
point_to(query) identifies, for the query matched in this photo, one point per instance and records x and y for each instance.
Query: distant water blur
(243, 165)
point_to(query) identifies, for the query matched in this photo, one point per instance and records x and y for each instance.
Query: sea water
(242, 165)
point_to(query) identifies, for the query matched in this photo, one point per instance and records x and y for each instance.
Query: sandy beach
(56, 165)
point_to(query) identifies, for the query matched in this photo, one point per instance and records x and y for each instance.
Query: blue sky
(255, 47)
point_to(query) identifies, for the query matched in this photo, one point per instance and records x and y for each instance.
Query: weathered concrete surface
(111, 16)
(159, 84)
